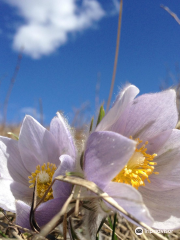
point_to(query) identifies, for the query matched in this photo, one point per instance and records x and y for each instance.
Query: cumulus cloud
(47, 23)
(116, 7)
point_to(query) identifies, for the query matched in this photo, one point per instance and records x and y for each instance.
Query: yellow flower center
(139, 167)
(43, 178)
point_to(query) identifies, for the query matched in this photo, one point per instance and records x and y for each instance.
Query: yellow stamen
(43, 175)
(139, 167)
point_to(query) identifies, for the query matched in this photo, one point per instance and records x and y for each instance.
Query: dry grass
(124, 230)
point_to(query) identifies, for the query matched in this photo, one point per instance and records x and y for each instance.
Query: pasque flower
(127, 156)
(36, 155)
(154, 168)
(41, 154)
(133, 155)
(105, 154)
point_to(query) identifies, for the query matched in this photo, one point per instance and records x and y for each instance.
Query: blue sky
(67, 46)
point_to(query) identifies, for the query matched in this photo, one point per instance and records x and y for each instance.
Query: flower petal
(22, 214)
(63, 189)
(155, 143)
(163, 207)
(105, 156)
(168, 165)
(21, 192)
(131, 200)
(124, 98)
(37, 145)
(4, 172)
(11, 162)
(60, 131)
(151, 114)
(7, 200)
(45, 212)
(171, 143)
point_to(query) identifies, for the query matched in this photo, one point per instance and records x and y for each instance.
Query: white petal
(63, 189)
(106, 155)
(129, 199)
(151, 114)
(123, 100)
(11, 162)
(163, 207)
(168, 165)
(22, 192)
(7, 200)
(37, 145)
(4, 172)
(156, 143)
(171, 143)
(61, 133)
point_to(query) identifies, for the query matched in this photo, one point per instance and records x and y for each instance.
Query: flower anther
(139, 167)
(43, 175)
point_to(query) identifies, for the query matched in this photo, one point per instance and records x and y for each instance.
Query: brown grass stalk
(171, 13)
(116, 55)
(13, 79)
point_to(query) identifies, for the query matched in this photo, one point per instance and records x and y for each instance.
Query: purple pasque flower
(36, 155)
(105, 153)
(154, 168)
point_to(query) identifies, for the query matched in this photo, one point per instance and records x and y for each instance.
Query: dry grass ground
(124, 230)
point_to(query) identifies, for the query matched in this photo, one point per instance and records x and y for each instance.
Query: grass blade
(114, 227)
(101, 115)
(100, 226)
(91, 124)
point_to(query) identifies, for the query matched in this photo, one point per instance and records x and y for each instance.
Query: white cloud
(116, 7)
(47, 23)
